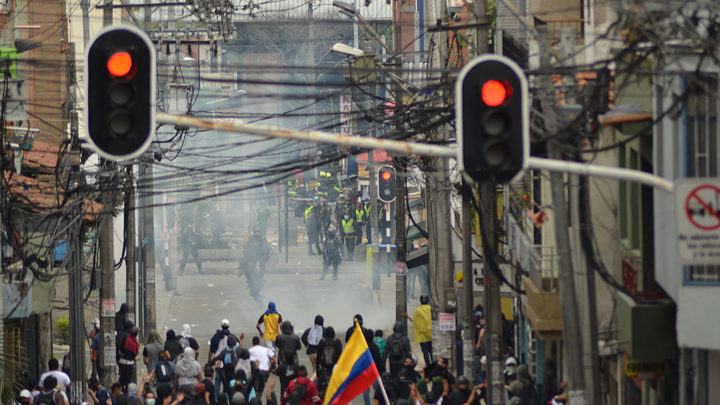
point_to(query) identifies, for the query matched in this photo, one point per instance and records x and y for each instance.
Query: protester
(187, 371)
(422, 323)
(61, 378)
(151, 351)
(311, 339)
(271, 320)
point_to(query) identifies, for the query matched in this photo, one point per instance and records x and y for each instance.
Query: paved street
(296, 288)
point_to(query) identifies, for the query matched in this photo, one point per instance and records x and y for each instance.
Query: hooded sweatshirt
(187, 369)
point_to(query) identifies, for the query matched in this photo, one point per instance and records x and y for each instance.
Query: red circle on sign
(714, 212)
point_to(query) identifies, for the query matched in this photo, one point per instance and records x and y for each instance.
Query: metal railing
(538, 260)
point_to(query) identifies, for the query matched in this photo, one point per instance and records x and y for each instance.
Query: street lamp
(347, 50)
(352, 12)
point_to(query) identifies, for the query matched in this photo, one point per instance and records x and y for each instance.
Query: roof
(43, 157)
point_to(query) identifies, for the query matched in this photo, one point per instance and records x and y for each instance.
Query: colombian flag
(354, 373)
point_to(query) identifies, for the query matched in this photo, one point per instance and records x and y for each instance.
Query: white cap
(483, 360)
(25, 394)
(511, 361)
(225, 322)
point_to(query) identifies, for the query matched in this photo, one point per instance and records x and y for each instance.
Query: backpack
(298, 394)
(397, 354)
(328, 353)
(46, 398)
(228, 356)
(163, 372)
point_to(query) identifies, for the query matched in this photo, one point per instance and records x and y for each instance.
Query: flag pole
(382, 389)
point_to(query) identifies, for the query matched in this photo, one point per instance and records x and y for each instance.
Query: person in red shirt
(129, 349)
(293, 393)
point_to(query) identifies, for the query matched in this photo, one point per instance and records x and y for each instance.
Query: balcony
(541, 304)
(538, 260)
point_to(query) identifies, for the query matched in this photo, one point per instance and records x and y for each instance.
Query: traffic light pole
(401, 269)
(107, 266)
(75, 278)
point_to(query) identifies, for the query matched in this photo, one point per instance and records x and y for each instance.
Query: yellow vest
(348, 226)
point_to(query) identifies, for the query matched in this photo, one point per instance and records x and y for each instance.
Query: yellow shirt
(271, 326)
(422, 322)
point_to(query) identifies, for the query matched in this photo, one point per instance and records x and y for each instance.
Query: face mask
(347, 217)
(150, 401)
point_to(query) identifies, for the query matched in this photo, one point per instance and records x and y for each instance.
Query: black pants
(350, 245)
(196, 257)
(126, 372)
(426, 348)
(335, 262)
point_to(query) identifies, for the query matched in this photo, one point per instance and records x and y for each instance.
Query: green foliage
(491, 14)
(62, 329)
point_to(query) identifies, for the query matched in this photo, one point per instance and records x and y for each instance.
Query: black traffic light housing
(491, 112)
(386, 184)
(120, 92)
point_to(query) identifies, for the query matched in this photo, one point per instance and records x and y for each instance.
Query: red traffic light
(494, 93)
(119, 64)
(386, 176)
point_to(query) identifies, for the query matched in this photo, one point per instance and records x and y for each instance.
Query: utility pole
(469, 334)
(400, 164)
(75, 279)
(107, 266)
(468, 325)
(493, 326)
(572, 336)
(441, 264)
(147, 12)
(148, 242)
(374, 247)
(129, 216)
(107, 258)
(287, 222)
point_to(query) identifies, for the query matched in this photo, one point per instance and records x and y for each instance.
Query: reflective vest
(348, 226)
(367, 210)
(307, 212)
(359, 214)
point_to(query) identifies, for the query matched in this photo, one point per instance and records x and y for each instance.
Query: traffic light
(386, 184)
(491, 111)
(120, 92)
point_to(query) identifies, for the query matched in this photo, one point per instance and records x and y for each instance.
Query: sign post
(697, 212)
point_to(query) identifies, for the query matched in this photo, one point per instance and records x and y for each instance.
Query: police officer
(348, 229)
(256, 252)
(332, 252)
(189, 244)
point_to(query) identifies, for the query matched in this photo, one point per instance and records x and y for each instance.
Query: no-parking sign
(697, 211)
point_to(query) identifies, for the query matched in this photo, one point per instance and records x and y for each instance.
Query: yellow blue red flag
(354, 372)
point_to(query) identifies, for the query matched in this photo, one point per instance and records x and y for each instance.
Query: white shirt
(262, 355)
(63, 379)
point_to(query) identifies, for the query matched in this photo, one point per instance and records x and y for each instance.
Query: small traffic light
(386, 184)
(120, 92)
(491, 111)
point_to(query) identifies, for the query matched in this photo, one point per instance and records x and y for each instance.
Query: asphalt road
(205, 300)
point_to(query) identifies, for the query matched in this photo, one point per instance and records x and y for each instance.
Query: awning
(413, 233)
(417, 257)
